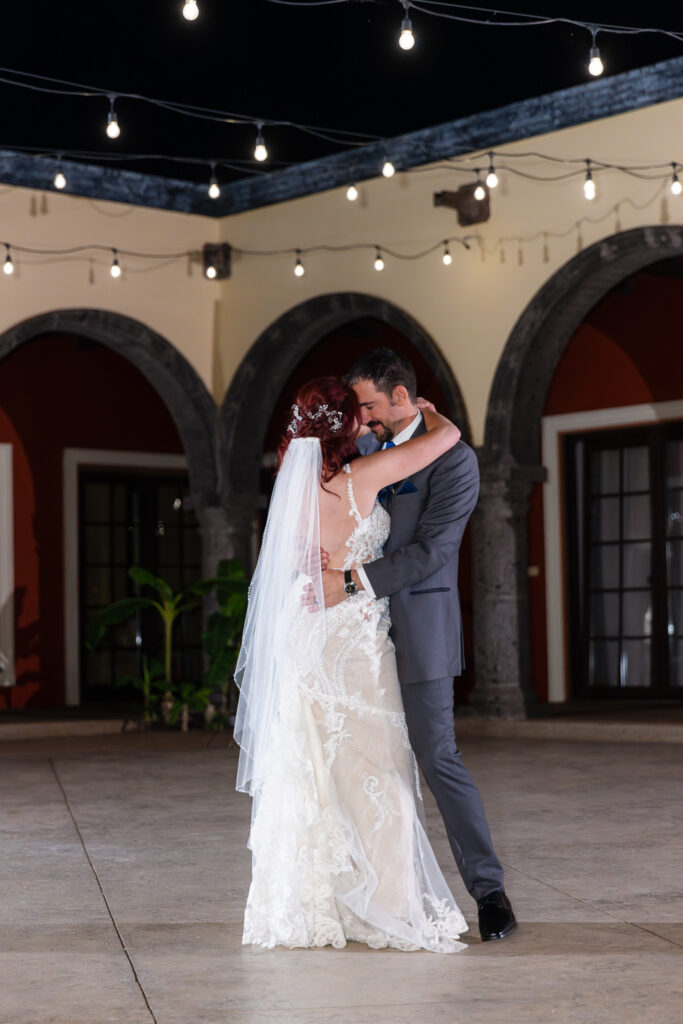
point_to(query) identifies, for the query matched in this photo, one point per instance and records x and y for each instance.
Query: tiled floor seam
(102, 893)
(595, 906)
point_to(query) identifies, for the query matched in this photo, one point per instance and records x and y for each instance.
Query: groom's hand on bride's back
(333, 590)
(308, 598)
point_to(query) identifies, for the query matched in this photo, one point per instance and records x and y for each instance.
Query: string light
(214, 189)
(115, 268)
(479, 191)
(643, 170)
(59, 180)
(388, 169)
(675, 186)
(299, 269)
(406, 40)
(190, 10)
(352, 193)
(8, 266)
(589, 184)
(63, 87)
(492, 179)
(260, 151)
(446, 259)
(210, 269)
(113, 129)
(595, 65)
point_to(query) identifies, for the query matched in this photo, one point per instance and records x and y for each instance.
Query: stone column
(226, 533)
(500, 590)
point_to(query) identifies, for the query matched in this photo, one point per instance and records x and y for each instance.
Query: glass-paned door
(129, 519)
(624, 566)
(674, 557)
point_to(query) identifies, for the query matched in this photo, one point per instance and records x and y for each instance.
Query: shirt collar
(408, 431)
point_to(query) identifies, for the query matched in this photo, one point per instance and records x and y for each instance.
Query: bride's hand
(424, 403)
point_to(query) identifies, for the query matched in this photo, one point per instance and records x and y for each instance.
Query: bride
(339, 848)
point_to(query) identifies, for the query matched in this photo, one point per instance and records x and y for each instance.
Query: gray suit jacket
(419, 568)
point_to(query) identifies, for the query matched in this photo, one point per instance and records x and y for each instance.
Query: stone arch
(268, 364)
(179, 385)
(510, 458)
(541, 334)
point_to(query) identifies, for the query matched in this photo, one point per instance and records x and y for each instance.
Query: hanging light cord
(49, 85)
(516, 19)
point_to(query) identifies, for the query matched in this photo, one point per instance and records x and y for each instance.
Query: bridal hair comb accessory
(334, 418)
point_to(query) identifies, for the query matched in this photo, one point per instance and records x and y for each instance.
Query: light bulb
(589, 186)
(406, 40)
(115, 268)
(352, 193)
(379, 262)
(299, 268)
(676, 187)
(447, 259)
(260, 151)
(388, 170)
(191, 10)
(492, 179)
(8, 266)
(595, 65)
(214, 189)
(479, 192)
(59, 180)
(113, 129)
(210, 272)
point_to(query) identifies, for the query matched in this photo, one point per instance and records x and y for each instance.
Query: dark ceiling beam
(492, 129)
(580, 104)
(107, 183)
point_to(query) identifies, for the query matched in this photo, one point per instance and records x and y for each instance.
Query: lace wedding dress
(338, 841)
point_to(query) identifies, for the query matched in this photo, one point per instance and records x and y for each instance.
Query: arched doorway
(176, 382)
(260, 385)
(323, 336)
(100, 451)
(511, 458)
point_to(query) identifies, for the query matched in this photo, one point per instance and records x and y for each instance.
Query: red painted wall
(628, 351)
(58, 392)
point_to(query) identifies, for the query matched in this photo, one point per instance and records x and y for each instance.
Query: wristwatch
(350, 588)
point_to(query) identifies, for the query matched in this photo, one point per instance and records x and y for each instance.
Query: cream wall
(180, 307)
(470, 307)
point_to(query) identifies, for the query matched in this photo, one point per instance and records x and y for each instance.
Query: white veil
(281, 637)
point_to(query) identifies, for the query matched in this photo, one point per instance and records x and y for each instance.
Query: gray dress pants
(429, 715)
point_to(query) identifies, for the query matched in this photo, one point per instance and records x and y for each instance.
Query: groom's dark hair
(386, 370)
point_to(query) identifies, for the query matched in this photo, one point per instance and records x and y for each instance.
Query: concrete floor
(123, 873)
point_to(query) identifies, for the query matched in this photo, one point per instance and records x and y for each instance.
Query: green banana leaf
(113, 615)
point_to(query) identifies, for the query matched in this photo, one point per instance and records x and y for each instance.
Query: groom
(419, 571)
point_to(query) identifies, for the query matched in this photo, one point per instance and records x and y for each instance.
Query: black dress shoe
(496, 917)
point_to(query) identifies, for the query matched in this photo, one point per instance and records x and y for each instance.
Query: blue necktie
(385, 492)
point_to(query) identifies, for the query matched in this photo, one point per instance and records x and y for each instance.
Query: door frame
(7, 626)
(553, 431)
(73, 460)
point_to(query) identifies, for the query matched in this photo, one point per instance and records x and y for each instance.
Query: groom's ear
(400, 396)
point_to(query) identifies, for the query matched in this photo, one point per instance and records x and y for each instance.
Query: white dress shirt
(404, 435)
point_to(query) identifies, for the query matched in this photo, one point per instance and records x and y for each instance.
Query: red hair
(338, 446)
